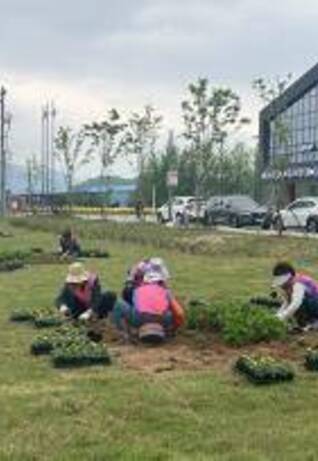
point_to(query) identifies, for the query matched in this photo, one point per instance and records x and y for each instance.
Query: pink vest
(151, 299)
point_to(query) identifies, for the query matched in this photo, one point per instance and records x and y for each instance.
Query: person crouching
(154, 312)
(81, 297)
(300, 296)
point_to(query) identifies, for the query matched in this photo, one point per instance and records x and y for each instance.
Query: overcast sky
(89, 56)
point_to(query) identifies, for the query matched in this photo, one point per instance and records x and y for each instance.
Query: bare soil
(191, 351)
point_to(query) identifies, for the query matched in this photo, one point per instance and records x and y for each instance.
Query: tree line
(206, 156)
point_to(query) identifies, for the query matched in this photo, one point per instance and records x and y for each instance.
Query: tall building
(288, 138)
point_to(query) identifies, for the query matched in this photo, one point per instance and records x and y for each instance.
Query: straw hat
(77, 273)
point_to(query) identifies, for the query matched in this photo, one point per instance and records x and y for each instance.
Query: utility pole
(43, 156)
(53, 116)
(2, 153)
(47, 150)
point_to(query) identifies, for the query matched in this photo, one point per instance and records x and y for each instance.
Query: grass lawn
(112, 413)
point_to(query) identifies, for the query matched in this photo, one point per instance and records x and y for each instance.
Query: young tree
(33, 172)
(268, 91)
(73, 152)
(141, 138)
(210, 115)
(108, 137)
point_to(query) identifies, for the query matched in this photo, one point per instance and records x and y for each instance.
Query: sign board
(172, 178)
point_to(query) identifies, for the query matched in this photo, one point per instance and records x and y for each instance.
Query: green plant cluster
(264, 369)
(237, 322)
(311, 360)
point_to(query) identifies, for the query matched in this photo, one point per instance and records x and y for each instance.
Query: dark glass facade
(289, 130)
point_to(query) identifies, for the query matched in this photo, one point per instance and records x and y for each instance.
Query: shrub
(238, 323)
(264, 370)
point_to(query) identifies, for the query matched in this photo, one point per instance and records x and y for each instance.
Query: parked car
(234, 210)
(182, 207)
(302, 213)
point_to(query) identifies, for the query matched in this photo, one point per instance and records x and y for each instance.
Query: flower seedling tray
(94, 254)
(21, 315)
(47, 322)
(264, 370)
(9, 266)
(80, 355)
(46, 318)
(311, 360)
(42, 345)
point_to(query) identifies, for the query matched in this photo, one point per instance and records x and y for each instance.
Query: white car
(182, 206)
(298, 213)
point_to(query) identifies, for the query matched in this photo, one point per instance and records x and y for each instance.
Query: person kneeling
(81, 296)
(69, 245)
(301, 296)
(154, 312)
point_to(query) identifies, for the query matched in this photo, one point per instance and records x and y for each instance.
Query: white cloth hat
(77, 273)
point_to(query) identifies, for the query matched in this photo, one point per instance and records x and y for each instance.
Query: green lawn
(114, 414)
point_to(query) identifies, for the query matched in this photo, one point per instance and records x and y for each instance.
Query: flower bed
(264, 370)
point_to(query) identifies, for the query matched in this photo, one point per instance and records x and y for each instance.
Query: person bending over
(300, 296)
(68, 244)
(82, 297)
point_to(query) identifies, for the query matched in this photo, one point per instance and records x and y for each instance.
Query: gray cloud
(128, 52)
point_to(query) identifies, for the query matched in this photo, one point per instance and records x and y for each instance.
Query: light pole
(5, 121)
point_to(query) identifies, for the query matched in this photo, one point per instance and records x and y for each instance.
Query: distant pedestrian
(139, 210)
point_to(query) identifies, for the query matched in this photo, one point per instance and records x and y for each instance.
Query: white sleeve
(288, 310)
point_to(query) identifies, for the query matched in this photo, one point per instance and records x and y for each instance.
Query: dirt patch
(191, 352)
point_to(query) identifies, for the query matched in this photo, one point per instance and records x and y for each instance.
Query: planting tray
(311, 360)
(264, 370)
(21, 316)
(94, 254)
(47, 322)
(9, 266)
(42, 346)
(61, 361)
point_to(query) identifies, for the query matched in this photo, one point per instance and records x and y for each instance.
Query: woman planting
(81, 296)
(300, 293)
(149, 305)
(69, 245)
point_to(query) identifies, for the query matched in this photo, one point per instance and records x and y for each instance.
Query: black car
(234, 210)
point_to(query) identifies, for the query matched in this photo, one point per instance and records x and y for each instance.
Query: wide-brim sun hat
(77, 273)
(280, 280)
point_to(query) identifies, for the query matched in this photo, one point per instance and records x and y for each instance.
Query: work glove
(64, 309)
(86, 315)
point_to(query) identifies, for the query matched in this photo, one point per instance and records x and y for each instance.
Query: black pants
(105, 305)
